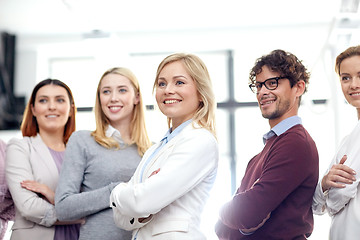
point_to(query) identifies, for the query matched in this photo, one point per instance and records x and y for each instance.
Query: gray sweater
(88, 175)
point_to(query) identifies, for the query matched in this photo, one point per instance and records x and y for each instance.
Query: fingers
(155, 172)
(338, 176)
(343, 171)
(343, 159)
(29, 185)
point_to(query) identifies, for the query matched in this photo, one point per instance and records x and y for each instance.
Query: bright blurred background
(77, 40)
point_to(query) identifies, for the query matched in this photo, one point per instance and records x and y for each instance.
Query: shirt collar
(171, 134)
(282, 127)
(112, 132)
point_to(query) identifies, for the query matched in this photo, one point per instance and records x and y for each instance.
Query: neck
(52, 140)
(125, 132)
(274, 122)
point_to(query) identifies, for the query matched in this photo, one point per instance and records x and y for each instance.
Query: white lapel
(163, 153)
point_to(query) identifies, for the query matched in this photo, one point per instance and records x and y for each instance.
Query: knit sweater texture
(88, 175)
(279, 181)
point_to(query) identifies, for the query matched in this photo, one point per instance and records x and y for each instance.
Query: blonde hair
(29, 126)
(195, 67)
(138, 133)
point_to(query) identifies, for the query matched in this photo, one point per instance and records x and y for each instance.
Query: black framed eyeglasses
(271, 84)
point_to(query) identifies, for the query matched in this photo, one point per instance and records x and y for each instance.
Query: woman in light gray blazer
(165, 197)
(33, 163)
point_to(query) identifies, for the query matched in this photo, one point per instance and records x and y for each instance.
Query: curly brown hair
(285, 63)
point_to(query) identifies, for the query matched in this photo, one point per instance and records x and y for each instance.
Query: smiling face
(51, 108)
(280, 103)
(176, 93)
(350, 80)
(117, 98)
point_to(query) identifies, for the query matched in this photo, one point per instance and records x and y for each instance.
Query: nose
(169, 89)
(262, 89)
(114, 96)
(355, 83)
(52, 105)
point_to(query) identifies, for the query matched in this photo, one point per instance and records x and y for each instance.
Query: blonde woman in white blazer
(165, 197)
(33, 163)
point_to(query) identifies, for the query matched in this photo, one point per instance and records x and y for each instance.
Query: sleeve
(125, 222)
(193, 158)
(339, 197)
(319, 200)
(70, 202)
(7, 210)
(18, 168)
(281, 174)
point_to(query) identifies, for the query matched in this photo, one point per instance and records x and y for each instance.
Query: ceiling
(91, 17)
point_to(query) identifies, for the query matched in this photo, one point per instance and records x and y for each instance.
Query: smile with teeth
(114, 108)
(171, 101)
(355, 94)
(51, 116)
(266, 101)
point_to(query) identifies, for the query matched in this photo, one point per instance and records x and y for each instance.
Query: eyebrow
(174, 77)
(46, 96)
(120, 86)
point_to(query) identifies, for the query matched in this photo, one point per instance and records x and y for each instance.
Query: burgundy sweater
(279, 181)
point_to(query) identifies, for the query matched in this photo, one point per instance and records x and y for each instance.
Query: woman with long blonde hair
(95, 162)
(165, 197)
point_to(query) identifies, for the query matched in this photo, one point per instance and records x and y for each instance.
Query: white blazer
(176, 195)
(30, 159)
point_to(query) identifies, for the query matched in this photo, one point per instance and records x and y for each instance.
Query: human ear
(137, 99)
(300, 88)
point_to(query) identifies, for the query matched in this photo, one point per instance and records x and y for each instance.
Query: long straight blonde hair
(205, 114)
(138, 131)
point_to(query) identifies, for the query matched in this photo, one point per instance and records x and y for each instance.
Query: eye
(179, 82)
(60, 100)
(122, 90)
(345, 78)
(106, 91)
(258, 85)
(161, 84)
(42, 100)
(272, 83)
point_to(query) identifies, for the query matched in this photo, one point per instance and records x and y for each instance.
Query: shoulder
(297, 135)
(195, 131)
(20, 142)
(299, 143)
(198, 136)
(80, 135)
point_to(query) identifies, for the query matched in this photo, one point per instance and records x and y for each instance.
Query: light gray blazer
(30, 159)
(176, 195)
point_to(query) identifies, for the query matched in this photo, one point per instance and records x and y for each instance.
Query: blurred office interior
(77, 40)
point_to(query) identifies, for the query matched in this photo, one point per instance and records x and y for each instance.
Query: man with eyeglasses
(275, 196)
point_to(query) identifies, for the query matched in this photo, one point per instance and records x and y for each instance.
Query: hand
(338, 176)
(37, 187)
(81, 221)
(154, 172)
(144, 220)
